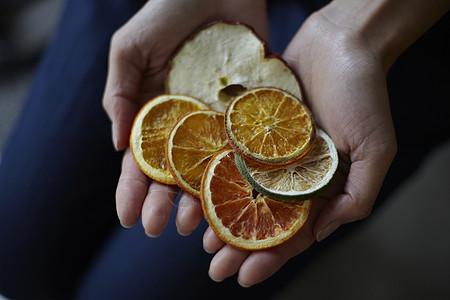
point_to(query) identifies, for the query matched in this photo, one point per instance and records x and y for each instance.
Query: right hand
(344, 85)
(139, 55)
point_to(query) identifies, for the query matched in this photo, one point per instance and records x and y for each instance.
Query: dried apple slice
(222, 60)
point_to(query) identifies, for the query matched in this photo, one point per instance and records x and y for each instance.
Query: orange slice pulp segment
(304, 179)
(241, 217)
(151, 128)
(270, 126)
(191, 144)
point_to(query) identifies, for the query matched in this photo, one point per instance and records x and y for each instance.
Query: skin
(341, 55)
(139, 54)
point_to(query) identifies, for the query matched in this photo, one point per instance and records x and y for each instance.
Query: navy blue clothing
(59, 233)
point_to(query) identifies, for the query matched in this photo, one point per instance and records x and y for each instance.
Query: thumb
(363, 183)
(120, 98)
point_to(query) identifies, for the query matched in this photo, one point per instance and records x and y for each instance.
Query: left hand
(344, 85)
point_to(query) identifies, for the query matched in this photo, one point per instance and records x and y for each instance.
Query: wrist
(384, 27)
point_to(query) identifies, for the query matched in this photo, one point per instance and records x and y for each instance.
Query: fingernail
(207, 251)
(212, 277)
(183, 233)
(327, 230)
(125, 226)
(243, 285)
(151, 235)
(114, 137)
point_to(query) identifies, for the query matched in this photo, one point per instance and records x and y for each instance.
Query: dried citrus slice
(151, 128)
(305, 179)
(241, 217)
(223, 57)
(191, 144)
(269, 125)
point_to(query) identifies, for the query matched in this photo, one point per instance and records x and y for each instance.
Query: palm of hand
(344, 85)
(139, 54)
(346, 90)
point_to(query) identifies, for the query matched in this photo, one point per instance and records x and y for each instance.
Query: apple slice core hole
(230, 91)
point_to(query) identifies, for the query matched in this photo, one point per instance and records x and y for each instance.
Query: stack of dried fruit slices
(254, 157)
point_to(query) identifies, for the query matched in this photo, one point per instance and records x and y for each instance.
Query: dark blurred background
(25, 28)
(403, 252)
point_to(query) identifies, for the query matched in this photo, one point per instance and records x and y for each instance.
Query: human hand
(344, 84)
(139, 54)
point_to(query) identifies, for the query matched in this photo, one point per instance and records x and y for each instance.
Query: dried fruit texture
(191, 144)
(223, 59)
(270, 126)
(305, 179)
(241, 217)
(151, 128)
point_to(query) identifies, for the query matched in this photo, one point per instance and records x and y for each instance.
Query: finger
(256, 266)
(260, 265)
(226, 262)
(211, 242)
(157, 207)
(189, 214)
(122, 87)
(131, 191)
(361, 189)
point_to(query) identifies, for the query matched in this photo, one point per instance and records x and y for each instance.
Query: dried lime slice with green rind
(303, 180)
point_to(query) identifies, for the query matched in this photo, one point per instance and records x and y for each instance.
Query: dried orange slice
(151, 128)
(304, 179)
(270, 126)
(191, 144)
(241, 217)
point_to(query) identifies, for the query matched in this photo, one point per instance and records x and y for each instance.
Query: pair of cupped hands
(343, 83)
